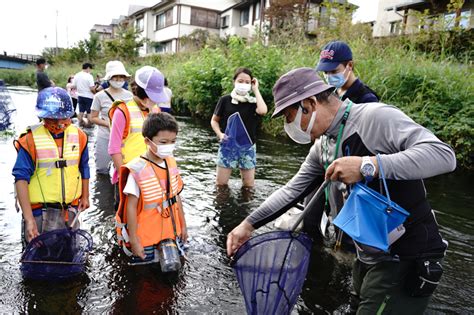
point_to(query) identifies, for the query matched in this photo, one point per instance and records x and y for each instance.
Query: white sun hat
(115, 67)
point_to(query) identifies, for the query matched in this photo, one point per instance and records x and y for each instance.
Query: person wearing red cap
(337, 64)
(389, 281)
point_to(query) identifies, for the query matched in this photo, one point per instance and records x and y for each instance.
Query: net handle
(311, 204)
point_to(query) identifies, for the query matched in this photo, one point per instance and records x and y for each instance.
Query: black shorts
(85, 104)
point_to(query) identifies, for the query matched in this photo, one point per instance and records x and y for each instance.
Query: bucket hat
(295, 86)
(114, 67)
(152, 81)
(333, 54)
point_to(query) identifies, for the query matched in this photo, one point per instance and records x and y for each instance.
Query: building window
(139, 24)
(204, 18)
(164, 19)
(225, 21)
(395, 28)
(256, 11)
(160, 21)
(163, 47)
(465, 19)
(244, 16)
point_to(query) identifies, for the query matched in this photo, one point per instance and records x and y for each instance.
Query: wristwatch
(367, 168)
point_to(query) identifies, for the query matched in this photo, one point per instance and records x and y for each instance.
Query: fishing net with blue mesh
(56, 255)
(271, 270)
(6, 107)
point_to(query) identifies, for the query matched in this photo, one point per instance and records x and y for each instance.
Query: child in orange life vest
(51, 170)
(150, 208)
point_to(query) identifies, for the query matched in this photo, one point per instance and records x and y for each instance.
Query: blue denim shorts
(244, 159)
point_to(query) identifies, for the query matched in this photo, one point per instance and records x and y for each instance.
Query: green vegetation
(432, 83)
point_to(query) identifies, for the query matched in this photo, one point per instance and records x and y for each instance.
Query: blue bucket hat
(333, 54)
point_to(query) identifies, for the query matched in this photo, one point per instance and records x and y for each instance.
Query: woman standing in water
(249, 109)
(116, 75)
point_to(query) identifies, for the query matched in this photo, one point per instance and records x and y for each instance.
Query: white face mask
(294, 130)
(116, 84)
(164, 150)
(242, 88)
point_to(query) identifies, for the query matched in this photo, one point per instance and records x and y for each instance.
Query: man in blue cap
(336, 62)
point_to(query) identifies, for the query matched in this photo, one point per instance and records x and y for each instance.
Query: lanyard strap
(345, 116)
(339, 135)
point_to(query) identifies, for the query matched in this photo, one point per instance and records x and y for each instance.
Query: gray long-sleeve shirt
(408, 152)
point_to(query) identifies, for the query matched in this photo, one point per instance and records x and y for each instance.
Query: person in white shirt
(84, 83)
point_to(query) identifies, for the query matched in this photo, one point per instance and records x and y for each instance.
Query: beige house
(396, 17)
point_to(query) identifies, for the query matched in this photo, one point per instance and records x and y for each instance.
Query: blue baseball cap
(333, 54)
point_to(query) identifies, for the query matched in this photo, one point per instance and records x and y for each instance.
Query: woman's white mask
(294, 131)
(242, 88)
(116, 84)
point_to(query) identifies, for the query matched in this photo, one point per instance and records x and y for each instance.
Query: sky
(27, 26)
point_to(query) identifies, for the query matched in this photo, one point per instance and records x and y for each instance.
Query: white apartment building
(166, 22)
(395, 17)
(169, 20)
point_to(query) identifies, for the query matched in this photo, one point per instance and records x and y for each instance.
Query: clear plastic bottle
(169, 255)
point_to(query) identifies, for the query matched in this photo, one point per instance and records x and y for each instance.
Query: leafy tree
(125, 45)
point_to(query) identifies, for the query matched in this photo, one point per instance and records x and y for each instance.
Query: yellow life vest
(56, 179)
(156, 209)
(133, 143)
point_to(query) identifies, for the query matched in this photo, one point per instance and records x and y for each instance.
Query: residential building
(169, 20)
(243, 18)
(104, 31)
(396, 17)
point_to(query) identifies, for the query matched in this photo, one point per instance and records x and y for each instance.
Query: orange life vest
(156, 208)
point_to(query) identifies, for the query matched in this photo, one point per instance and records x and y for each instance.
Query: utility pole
(56, 32)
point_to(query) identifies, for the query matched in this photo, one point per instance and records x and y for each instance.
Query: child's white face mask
(163, 150)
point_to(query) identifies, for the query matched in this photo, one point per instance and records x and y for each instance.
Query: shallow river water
(207, 284)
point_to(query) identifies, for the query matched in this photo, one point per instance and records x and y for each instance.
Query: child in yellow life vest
(51, 170)
(150, 208)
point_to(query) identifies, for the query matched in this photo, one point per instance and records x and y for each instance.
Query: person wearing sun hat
(116, 76)
(408, 152)
(126, 141)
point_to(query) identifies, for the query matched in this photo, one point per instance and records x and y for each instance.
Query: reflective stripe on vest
(153, 217)
(134, 144)
(56, 180)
